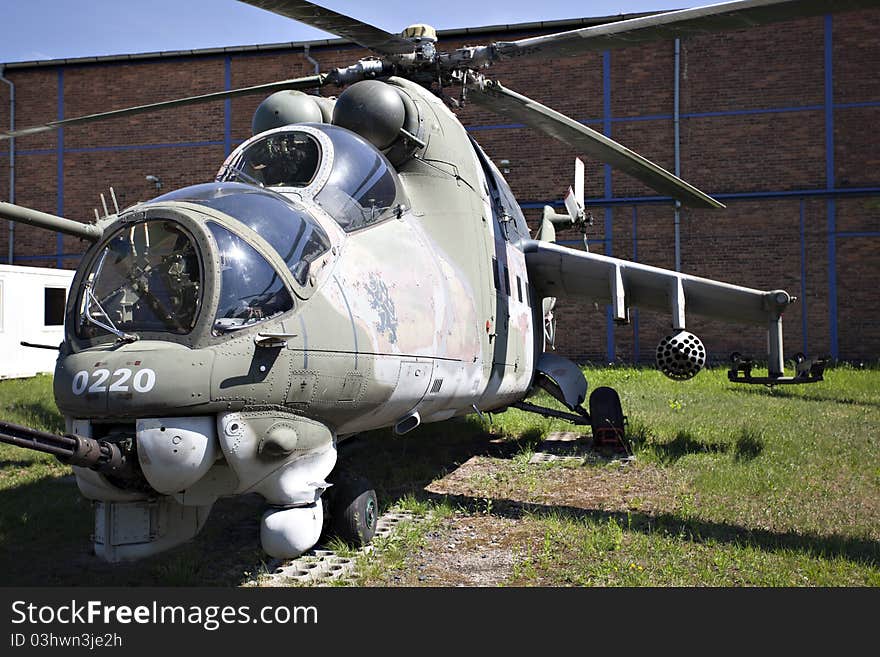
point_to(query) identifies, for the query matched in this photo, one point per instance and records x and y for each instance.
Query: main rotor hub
(419, 33)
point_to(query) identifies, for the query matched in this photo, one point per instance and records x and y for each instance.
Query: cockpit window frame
(322, 174)
(209, 280)
(310, 193)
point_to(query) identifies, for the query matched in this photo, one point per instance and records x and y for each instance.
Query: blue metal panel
(804, 323)
(145, 147)
(849, 105)
(752, 112)
(606, 130)
(631, 200)
(227, 106)
(831, 210)
(59, 199)
(49, 256)
(858, 233)
(832, 275)
(635, 311)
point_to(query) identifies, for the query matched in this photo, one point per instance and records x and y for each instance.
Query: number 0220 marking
(142, 380)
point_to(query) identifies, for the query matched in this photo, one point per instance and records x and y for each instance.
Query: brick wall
(755, 129)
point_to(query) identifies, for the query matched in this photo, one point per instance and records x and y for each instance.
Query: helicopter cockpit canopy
(287, 227)
(251, 289)
(150, 275)
(147, 278)
(341, 171)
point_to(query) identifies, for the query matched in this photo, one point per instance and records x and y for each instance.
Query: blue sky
(55, 29)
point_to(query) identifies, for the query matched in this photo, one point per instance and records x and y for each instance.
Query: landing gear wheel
(608, 421)
(355, 510)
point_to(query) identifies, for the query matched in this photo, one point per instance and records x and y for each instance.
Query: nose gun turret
(100, 455)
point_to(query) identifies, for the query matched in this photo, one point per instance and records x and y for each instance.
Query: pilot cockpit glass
(251, 290)
(281, 159)
(363, 187)
(146, 279)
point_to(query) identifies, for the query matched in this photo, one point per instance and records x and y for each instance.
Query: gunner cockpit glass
(363, 187)
(290, 230)
(251, 291)
(281, 159)
(146, 279)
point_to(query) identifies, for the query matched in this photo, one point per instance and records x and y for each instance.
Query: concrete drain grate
(320, 566)
(571, 447)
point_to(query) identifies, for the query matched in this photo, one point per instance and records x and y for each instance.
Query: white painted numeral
(124, 375)
(143, 381)
(80, 382)
(100, 377)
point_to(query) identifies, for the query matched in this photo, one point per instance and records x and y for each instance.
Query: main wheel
(355, 510)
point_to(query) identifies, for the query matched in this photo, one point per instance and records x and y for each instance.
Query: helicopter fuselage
(231, 353)
(430, 312)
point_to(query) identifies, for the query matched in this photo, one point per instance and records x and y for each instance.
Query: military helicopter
(358, 263)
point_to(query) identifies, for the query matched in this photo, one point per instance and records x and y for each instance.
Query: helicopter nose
(136, 380)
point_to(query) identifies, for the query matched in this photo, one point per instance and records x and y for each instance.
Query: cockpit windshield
(290, 230)
(147, 278)
(281, 159)
(250, 288)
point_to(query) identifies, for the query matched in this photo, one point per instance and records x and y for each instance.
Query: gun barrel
(100, 455)
(49, 221)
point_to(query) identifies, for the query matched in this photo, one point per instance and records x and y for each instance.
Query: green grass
(801, 459)
(732, 485)
(764, 486)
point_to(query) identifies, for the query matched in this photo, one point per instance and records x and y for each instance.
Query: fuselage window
(507, 280)
(519, 288)
(495, 274)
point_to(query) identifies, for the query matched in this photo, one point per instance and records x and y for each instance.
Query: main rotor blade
(297, 83)
(673, 25)
(501, 100)
(328, 20)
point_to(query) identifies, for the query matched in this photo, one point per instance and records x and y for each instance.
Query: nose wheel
(354, 510)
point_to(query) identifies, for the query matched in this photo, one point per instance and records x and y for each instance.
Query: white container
(32, 303)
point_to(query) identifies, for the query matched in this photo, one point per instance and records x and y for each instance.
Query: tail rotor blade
(573, 208)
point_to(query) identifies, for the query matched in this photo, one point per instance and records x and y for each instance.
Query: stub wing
(558, 271)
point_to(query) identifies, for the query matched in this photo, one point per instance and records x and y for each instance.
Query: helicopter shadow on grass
(748, 446)
(45, 540)
(46, 524)
(863, 551)
(765, 391)
(15, 463)
(402, 466)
